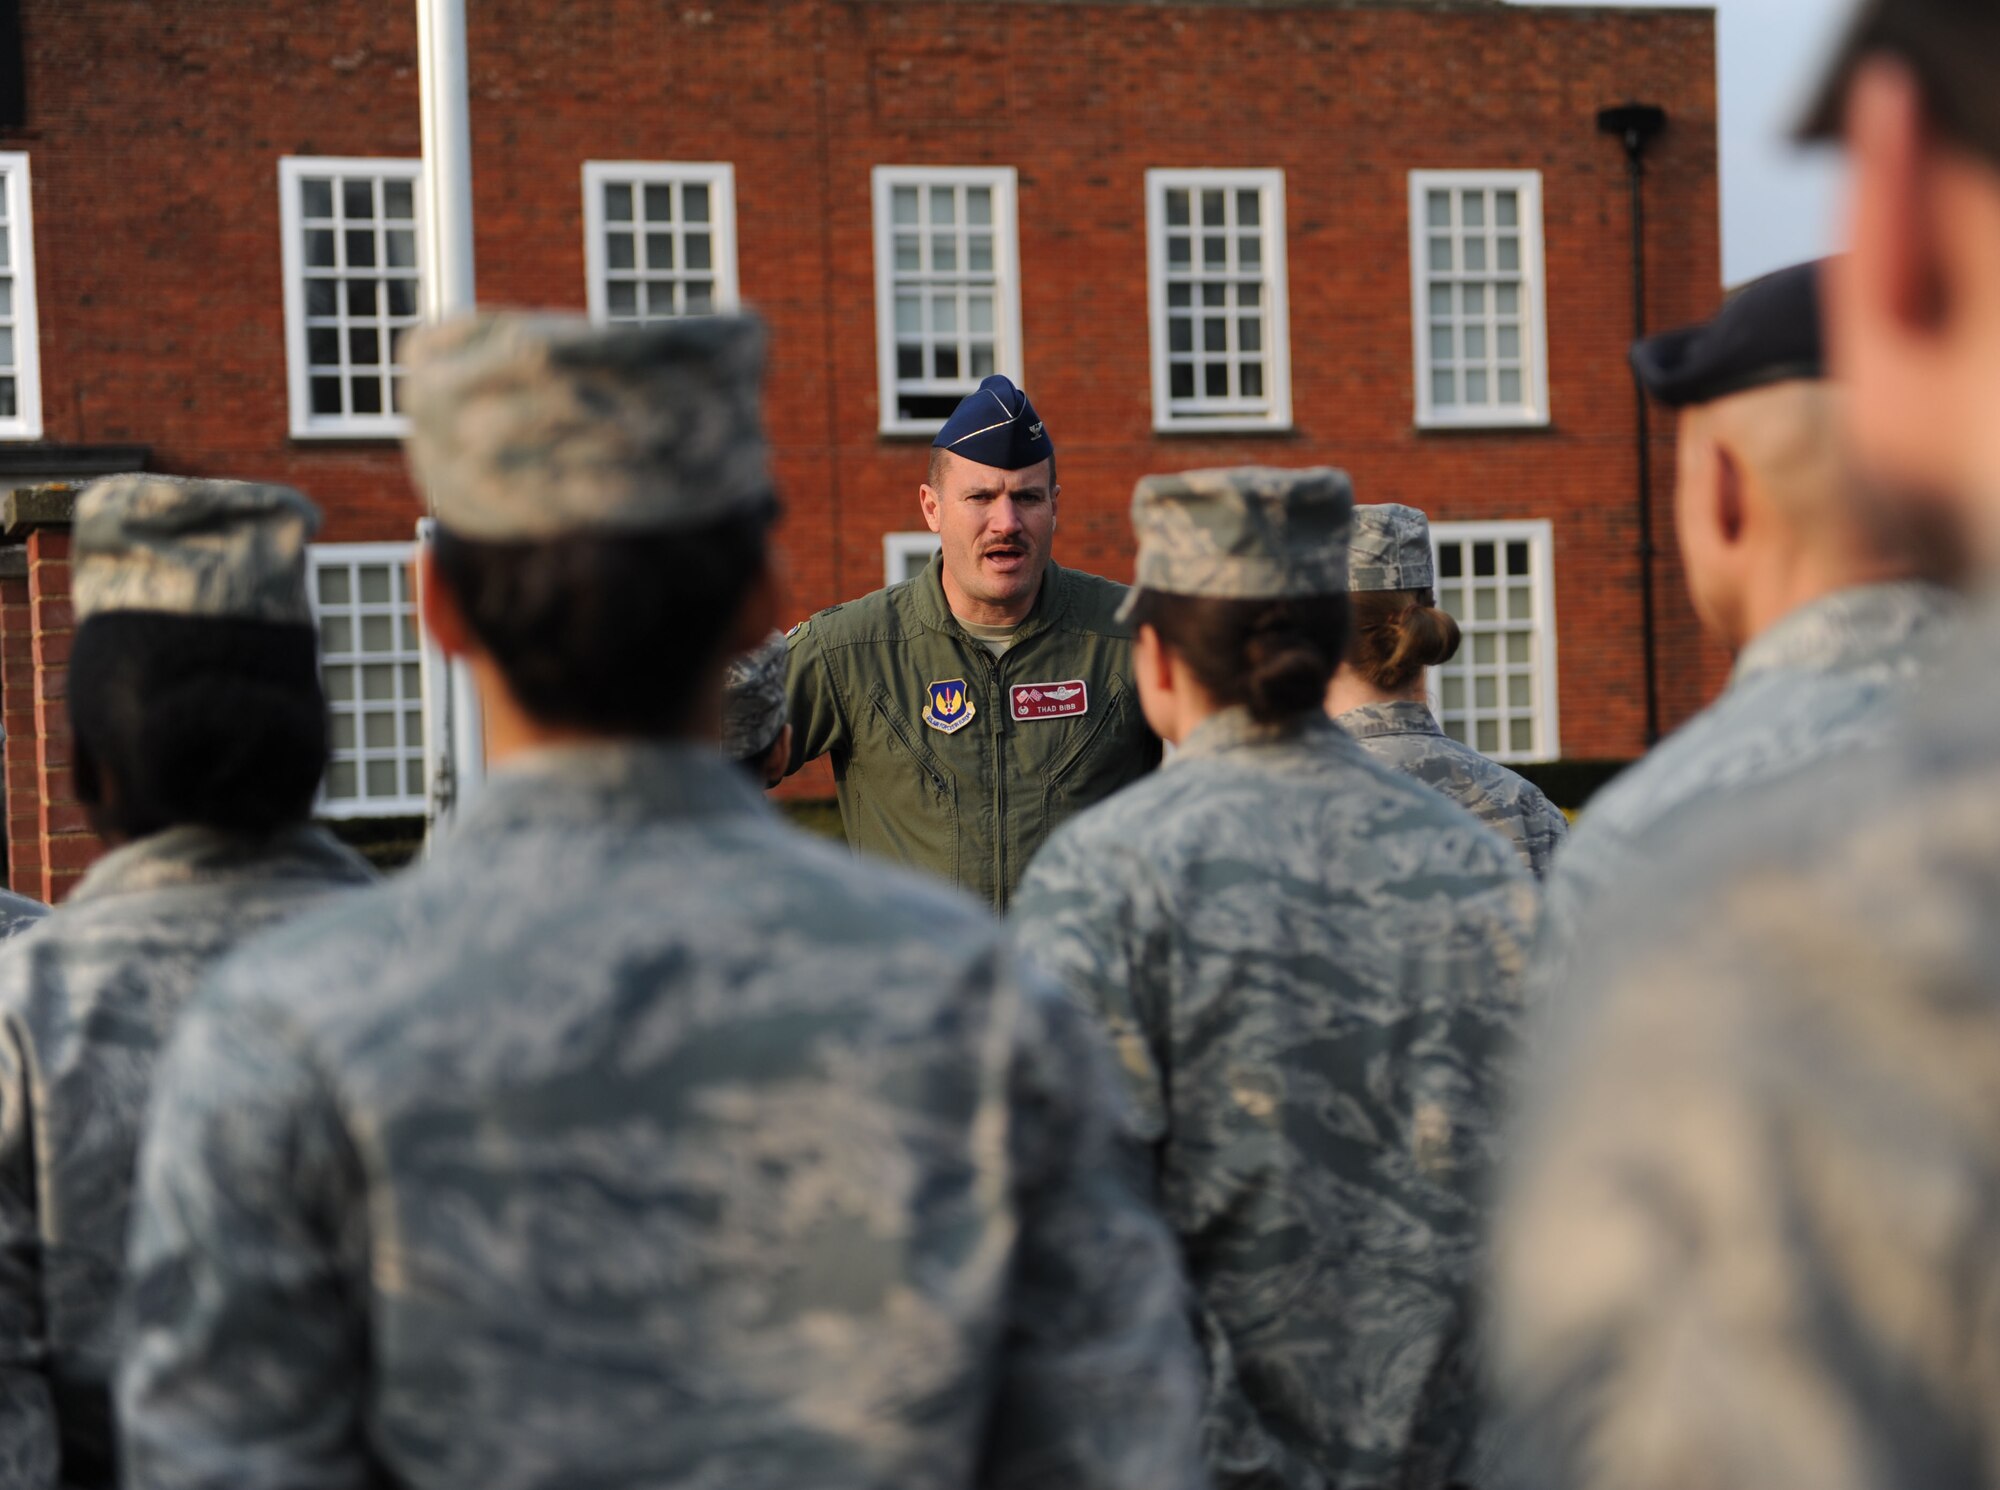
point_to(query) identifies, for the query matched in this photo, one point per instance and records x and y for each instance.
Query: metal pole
(1634, 124)
(459, 763)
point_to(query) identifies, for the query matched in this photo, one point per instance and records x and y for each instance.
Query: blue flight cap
(997, 426)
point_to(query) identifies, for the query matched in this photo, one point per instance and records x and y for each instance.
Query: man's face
(1913, 308)
(996, 527)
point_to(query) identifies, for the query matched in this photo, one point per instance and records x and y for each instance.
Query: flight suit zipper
(996, 709)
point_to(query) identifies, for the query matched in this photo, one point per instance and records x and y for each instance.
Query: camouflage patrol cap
(1391, 549)
(525, 426)
(1242, 533)
(753, 699)
(233, 550)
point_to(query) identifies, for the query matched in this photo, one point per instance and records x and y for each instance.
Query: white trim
(27, 421)
(1545, 711)
(899, 548)
(1533, 411)
(720, 179)
(292, 170)
(1228, 417)
(1007, 356)
(396, 557)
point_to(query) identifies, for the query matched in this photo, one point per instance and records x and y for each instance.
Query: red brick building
(1384, 236)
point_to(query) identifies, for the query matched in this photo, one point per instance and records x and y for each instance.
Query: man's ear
(1729, 494)
(1150, 659)
(437, 607)
(931, 503)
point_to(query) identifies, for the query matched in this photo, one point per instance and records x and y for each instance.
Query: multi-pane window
(20, 351)
(371, 664)
(906, 555)
(1476, 275)
(1498, 694)
(352, 288)
(948, 310)
(1216, 254)
(660, 240)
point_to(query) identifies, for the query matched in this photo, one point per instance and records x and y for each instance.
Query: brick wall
(157, 226)
(49, 840)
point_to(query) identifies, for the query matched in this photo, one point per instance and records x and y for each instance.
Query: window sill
(1495, 426)
(1234, 429)
(386, 430)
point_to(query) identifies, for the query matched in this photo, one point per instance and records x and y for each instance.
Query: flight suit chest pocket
(1078, 761)
(904, 801)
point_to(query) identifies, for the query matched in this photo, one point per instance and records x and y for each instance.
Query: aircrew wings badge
(950, 708)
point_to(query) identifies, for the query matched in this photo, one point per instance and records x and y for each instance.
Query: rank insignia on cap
(950, 708)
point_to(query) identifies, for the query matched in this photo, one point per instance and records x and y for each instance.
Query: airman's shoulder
(877, 616)
(1094, 602)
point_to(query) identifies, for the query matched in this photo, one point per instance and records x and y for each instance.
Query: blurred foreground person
(971, 710)
(1307, 963)
(200, 736)
(756, 729)
(634, 1138)
(1378, 694)
(1753, 1239)
(1818, 596)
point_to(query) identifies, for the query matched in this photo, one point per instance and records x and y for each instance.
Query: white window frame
(899, 548)
(1277, 417)
(1004, 182)
(292, 169)
(1533, 412)
(720, 179)
(405, 804)
(1539, 535)
(27, 421)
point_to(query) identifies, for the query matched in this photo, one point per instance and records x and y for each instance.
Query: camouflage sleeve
(1548, 831)
(1078, 923)
(246, 1344)
(29, 1453)
(1101, 1382)
(818, 727)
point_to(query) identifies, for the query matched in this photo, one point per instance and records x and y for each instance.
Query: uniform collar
(935, 611)
(1233, 729)
(196, 856)
(1847, 628)
(619, 781)
(1392, 717)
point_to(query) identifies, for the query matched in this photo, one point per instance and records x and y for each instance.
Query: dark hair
(184, 720)
(612, 633)
(1275, 657)
(934, 472)
(1397, 634)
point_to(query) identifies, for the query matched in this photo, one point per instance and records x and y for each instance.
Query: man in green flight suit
(972, 710)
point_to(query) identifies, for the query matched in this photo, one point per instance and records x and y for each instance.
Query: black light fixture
(1635, 125)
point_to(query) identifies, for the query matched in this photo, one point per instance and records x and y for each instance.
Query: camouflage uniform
(1404, 736)
(1751, 1240)
(89, 999)
(753, 700)
(1306, 963)
(85, 1005)
(19, 913)
(1823, 681)
(635, 1139)
(1391, 551)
